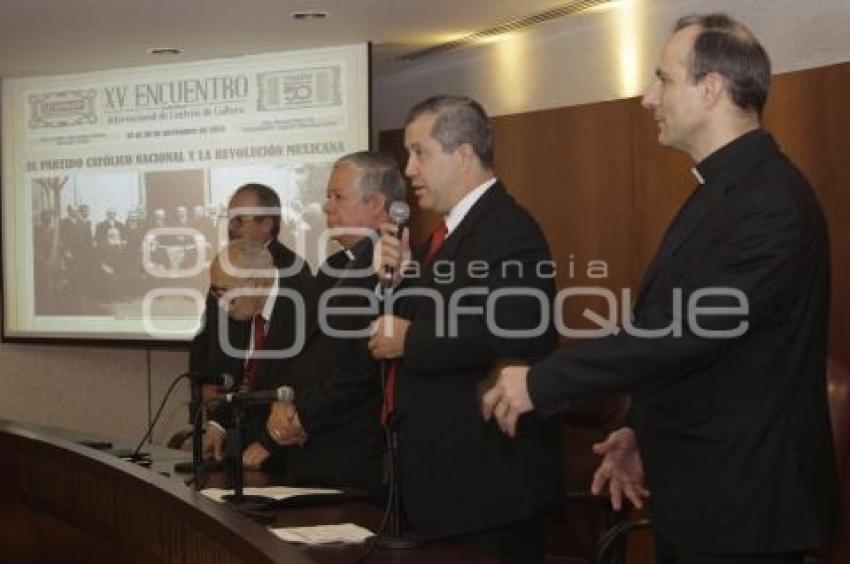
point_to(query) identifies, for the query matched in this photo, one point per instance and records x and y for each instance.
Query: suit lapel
(703, 202)
(697, 208)
(237, 336)
(683, 227)
(362, 260)
(453, 242)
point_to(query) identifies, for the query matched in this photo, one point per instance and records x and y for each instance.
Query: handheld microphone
(283, 393)
(399, 214)
(225, 380)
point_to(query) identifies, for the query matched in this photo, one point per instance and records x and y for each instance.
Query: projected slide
(116, 183)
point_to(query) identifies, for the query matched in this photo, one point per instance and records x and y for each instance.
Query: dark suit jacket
(279, 337)
(206, 355)
(337, 388)
(458, 473)
(101, 232)
(734, 432)
(76, 238)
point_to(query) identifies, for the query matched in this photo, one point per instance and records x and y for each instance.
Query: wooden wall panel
(583, 198)
(589, 179)
(808, 114)
(662, 182)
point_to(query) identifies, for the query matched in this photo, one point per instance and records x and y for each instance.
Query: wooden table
(66, 503)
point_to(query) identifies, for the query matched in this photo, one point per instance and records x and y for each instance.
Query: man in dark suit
(80, 257)
(331, 434)
(729, 410)
(254, 211)
(110, 239)
(460, 477)
(109, 232)
(265, 330)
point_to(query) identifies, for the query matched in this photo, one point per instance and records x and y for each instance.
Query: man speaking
(473, 299)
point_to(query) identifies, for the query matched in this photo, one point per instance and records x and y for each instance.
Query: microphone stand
(396, 538)
(199, 467)
(237, 470)
(195, 408)
(253, 506)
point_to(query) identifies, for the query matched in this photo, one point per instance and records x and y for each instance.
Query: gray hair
(459, 120)
(378, 173)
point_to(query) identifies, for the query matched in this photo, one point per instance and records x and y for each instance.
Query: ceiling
(64, 36)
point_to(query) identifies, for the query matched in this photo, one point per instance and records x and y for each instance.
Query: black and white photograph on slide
(301, 188)
(92, 233)
(116, 182)
(85, 228)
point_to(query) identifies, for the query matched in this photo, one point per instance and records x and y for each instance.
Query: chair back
(838, 395)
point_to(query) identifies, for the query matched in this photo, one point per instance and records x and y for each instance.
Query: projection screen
(115, 183)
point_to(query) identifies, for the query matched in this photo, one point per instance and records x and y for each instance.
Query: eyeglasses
(240, 220)
(218, 291)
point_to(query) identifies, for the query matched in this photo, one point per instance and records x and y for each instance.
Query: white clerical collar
(459, 211)
(697, 175)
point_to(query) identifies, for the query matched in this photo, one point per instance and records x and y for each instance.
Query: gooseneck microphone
(197, 379)
(225, 381)
(283, 393)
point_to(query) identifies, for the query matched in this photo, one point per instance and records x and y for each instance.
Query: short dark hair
(378, 173)
(459, 120)
(266, 198)
(728, 48)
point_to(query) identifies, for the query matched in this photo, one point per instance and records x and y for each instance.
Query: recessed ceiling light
(164, 51)
(304, 15)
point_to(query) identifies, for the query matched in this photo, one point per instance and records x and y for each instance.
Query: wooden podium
(64, 503)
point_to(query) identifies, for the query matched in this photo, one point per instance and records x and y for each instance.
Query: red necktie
(437, 239)
(259, 337)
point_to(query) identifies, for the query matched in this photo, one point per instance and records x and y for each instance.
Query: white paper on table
(274, 492)
(324, 534)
